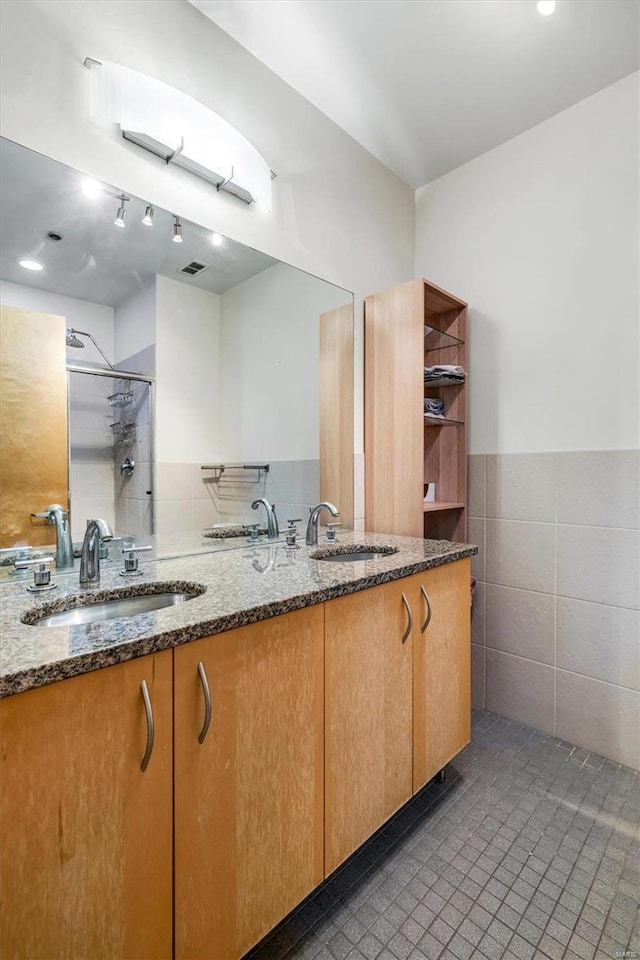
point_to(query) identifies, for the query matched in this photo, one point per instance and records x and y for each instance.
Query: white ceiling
(427, 85)
(96, 261)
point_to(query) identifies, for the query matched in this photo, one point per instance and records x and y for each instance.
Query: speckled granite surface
(242, 586)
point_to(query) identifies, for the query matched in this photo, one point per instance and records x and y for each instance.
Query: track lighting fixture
(148, 216)
(120, 215)
(177, 230)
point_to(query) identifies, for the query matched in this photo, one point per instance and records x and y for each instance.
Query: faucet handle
(292, 533)
(253, 529)
(131, 561)
(41, 575)
(331, 530)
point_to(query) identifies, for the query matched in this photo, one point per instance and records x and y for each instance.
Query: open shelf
(443, 382)
(441, 422)
(441, 505)
(439, 340)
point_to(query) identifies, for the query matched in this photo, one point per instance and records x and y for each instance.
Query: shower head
(73, 341)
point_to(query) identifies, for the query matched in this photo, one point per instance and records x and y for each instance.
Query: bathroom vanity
(281, 717)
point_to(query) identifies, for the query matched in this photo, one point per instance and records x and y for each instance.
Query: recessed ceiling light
(31, 265)
(91, 188)
(546, 7)
(177, 230)
(217, 240)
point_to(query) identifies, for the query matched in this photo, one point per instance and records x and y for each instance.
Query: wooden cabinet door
(85, 835)
(394, 410)
(368, 720)
(249, 798)
(441, 670)
(34, 448)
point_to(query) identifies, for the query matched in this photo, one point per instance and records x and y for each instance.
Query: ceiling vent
(193, 268)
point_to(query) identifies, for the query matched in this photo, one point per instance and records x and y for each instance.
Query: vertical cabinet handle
(150, 725)
(429, 610)
(207, 701)
(410, 617)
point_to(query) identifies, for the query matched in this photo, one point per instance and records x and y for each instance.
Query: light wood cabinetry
(441, 668)
(395, 712)
(336, 410)
(85, 834)
(368, 715)
(249, 798)
(322, 724)
(407, 328)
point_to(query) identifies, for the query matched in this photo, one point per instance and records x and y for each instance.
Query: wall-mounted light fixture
(180, 130)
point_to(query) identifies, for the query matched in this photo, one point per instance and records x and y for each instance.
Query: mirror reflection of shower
(72, 340)
(110, 448)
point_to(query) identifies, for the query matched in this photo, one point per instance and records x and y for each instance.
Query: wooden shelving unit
(407, 328)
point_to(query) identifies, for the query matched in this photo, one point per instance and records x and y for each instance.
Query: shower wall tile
(600, 717)
(476, 485)
(520, 689)
(599, 488)
(173, 516)
(204, 514)
(521, 486)
(520, 554)
(599, 564)
(599, 641)
(477, 677)
(87, 508)
(173, 481)
(562, 596)
(520, 622)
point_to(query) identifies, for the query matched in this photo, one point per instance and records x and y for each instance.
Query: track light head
(120, 215)
(177, 230)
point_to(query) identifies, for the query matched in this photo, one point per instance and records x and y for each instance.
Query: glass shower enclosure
(110, 449)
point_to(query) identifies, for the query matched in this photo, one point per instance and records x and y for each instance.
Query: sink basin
(352, 553)
(112, 604)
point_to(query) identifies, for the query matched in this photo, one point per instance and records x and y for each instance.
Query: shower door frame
(119, 375)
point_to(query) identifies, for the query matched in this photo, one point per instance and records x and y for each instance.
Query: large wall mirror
(156, 374)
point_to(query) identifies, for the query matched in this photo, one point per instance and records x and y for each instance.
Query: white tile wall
(556, 621)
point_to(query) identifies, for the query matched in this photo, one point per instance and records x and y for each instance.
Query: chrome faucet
(58, 516)
(97, 531)
(312, 526)
(272, 521)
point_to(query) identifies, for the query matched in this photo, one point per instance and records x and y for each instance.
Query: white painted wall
(187, 362)
(135, 322)
(95, 318)
(541, 237)
(269, 365)
(337, 211)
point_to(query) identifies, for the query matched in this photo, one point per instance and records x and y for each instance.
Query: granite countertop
(242, 586)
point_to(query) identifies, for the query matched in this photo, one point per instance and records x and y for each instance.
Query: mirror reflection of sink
(352, 552)
(222, 531)
(112, 604)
